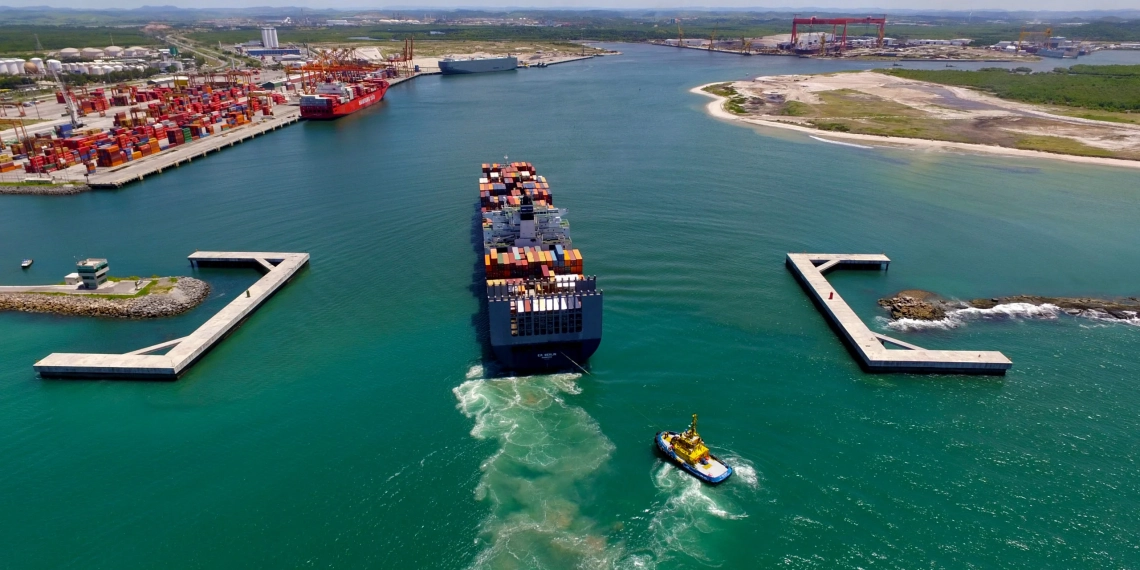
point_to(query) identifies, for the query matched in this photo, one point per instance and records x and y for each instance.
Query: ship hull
(546, 356)
(336, 111)
(467, 66)
(1057, 53)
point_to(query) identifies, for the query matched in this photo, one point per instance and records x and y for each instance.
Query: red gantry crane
(836, 22)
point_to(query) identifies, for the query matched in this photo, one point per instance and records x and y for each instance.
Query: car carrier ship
(544, 313)
(450, 66)
(333, 99)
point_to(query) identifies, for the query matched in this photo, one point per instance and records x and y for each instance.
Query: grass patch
(1106, 116)
(1098, 87)
(1061, 145)
(796, 109)
(33, 182)
(6, 124)
(828, 126)
(736, 101)
(721, 89)
(847, 103)
(146, 290)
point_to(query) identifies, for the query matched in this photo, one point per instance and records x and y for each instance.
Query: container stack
(537, 261)
(503, 186)
(165, 118)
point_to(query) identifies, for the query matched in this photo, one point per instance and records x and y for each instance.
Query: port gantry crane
(335, 64)
(835, 23)
(680, 35)
(712, 38)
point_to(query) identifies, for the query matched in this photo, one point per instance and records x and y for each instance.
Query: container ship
(337, 98)
(448, 66)
(544, 313)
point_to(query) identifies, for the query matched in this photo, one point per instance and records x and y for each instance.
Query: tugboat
(689, 451)
(27, 263)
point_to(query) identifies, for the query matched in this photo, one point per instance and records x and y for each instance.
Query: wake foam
(686, 511)
(547, 449)
(959, 317)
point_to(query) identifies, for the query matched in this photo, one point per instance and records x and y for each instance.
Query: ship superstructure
(543, 311)
(332, 99)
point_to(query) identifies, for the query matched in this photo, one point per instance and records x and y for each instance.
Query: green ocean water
(354, 422)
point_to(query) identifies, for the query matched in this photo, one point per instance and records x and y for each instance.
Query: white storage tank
(69, 53)
(16, 66)
(91, 53)
(116, 68)
(95, 70)
(54, 65)
(113, 51)
(39, 64)
(4, 67)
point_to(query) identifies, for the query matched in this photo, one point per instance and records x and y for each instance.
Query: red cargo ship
(337, 99)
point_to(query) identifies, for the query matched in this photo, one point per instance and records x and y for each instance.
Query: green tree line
(1104, 87)
(22, 39)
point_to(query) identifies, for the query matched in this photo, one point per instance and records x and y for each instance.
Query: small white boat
(27, 263)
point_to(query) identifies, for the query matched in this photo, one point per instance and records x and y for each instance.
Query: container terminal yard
(114, 135)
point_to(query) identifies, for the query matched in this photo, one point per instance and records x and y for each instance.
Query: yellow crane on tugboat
(689, 451)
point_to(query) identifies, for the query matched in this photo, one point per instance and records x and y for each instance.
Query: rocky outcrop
(45, 189)
(927, 306)
(920, 305)
(166, 299)
(1126, 308)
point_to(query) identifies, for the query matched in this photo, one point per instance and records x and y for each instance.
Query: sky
(784, 5)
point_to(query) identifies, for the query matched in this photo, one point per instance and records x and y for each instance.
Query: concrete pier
(137, 170)
(183, 352)
(869, 345)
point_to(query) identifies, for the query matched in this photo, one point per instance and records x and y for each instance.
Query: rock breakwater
(45, 189)
(166, 298)
(917, 305)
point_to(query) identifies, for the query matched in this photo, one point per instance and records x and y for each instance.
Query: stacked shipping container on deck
(543, 311)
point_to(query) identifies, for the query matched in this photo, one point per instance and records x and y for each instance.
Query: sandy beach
(986, 106)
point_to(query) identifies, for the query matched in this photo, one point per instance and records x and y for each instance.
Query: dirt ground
(877, 104)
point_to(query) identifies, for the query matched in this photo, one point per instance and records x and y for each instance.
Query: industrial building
(93, 272)
(269, 38)
(277, 52)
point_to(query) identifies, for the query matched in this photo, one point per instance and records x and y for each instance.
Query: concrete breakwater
(165, 299)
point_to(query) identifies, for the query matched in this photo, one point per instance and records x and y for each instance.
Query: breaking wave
(1132, 317)
(547, 450)
(959, 317)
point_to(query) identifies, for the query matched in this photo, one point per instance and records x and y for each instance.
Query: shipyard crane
(745, 46)
(881, 23)
(712, 38)
(680, 35)
(1048, 33)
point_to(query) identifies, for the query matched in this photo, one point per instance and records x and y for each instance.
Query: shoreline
(716, 109)
(44, 190)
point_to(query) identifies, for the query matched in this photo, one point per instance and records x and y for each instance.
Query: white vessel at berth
(449, 66)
